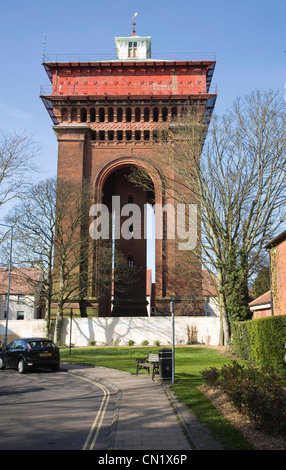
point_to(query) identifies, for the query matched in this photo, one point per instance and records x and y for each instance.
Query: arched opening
(64, 115)
(174, 114)
(110, 115)
(101, 115)
(119, 115)
(92, 115)
(128, 114)
(146, 115)
(128, 245)
(74, 115)
(165, 114)
(137, 115)
(155, 115)
(83, 115)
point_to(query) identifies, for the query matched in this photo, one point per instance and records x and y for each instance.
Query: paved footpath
(146, 414)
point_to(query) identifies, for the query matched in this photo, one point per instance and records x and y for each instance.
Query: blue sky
(248, 38)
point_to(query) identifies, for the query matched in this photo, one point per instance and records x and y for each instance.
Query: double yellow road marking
(97, 423)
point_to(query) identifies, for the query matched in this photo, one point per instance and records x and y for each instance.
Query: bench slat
(151, 361)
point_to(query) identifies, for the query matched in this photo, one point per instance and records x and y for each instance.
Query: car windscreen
(41, 344)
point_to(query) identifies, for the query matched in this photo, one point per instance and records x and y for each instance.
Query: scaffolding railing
(184, 56)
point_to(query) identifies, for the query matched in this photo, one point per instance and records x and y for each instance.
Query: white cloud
(11, 111)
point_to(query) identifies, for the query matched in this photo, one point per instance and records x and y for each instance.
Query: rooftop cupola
(133, 47)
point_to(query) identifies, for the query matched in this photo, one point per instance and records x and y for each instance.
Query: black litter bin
(165, 364)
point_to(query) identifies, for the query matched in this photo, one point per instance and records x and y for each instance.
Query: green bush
(261, 341)
(255, 392)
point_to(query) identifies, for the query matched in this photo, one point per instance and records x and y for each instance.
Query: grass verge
(189, 362)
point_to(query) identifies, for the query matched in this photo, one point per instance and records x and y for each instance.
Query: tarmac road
(43, 410)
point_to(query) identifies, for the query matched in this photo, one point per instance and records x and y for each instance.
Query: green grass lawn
(189, 362)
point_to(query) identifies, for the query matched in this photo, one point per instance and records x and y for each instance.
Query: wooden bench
(147, 363)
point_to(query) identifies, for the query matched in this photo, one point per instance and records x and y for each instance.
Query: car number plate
(45, 354)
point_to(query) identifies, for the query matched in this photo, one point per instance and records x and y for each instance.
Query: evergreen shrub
(261, 342)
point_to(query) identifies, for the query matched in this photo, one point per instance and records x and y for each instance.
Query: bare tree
(17, 162)
(33, 246)
(239, 180)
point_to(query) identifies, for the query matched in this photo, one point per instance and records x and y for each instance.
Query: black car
(27, 353)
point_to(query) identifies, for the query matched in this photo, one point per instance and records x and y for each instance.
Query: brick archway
(116, 170)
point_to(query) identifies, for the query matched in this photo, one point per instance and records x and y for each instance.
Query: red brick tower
(108, 116)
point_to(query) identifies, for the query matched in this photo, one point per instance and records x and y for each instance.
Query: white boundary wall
(119, 330)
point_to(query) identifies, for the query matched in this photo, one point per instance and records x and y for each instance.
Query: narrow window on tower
(83, 115)
(128, 114)
(119, 135)
(110, 135)
(137, 115)
(119, 115)
(110, 114)
(165, 114)
(155, 115)
(137, 135)
(146, 115)
(146, 135)
(130, 261)
(174, 114)
(74, 115)
(132, 49)
(101, 115)
(92, 115)
(64, 115)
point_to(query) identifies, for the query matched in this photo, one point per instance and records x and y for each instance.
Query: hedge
(261, 341)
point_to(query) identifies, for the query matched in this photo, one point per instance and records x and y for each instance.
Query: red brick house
(277, 252)
(261, 307)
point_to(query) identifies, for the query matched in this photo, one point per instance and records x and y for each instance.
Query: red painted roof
(262, 299)
(20, 280)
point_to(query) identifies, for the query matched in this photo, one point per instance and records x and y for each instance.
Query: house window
(21, 299)
(20, 315)
(132, 49)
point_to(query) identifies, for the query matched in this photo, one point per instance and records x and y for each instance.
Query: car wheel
(55, 368)
(1, 363)
(21, 366)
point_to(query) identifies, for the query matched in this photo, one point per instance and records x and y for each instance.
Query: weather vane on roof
(134, 24)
